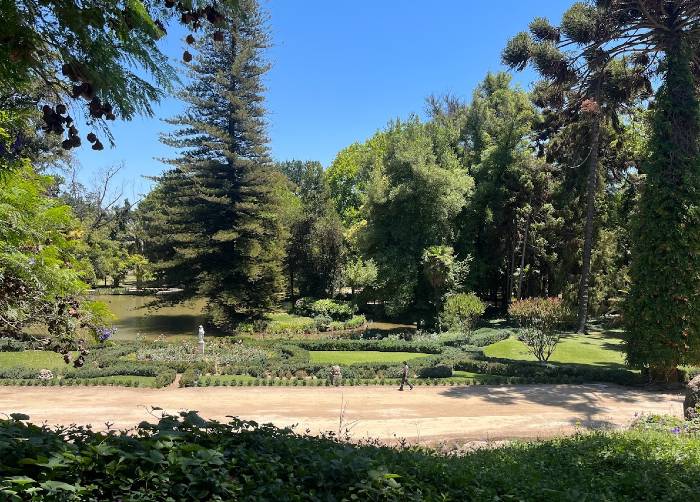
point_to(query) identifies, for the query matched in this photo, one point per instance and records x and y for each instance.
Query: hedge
(383, 345)
(188, 458)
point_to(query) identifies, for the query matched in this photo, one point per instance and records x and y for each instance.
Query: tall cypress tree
(663, 308)
(220, 207)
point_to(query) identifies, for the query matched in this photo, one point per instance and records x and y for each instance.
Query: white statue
(201, 338)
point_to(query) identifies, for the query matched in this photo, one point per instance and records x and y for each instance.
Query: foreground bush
(186, 458)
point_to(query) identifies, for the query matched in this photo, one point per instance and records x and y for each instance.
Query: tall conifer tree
(219, 197)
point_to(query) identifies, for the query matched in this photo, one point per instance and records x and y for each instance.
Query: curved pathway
(425, 414)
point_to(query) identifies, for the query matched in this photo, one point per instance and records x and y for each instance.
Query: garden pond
(134, 318)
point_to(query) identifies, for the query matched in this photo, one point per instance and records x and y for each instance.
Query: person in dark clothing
(404, 377)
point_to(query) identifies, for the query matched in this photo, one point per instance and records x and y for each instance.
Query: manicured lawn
(36, 359)
(594, 349)
(361, 356)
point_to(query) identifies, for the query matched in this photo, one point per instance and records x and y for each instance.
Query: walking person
(336, 375)
(404, 377)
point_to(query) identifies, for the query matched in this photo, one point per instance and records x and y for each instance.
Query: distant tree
(578, 84)
(141, 268)
(540, 321)
(500, 158)
(221, 217)
(315, 250)
(412, 202)
(662, 312)
(360, 274)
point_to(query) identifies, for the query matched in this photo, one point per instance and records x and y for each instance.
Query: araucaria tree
(582, 87)
(219, 199)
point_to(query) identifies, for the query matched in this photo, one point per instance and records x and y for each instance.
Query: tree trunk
(509, 280)
(591, 189)
(522, 256)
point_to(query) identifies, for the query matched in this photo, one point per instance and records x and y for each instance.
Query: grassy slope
(360, 356)
(594, 349)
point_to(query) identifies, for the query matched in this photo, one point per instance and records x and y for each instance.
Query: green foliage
(223, 238)
(359, 274)
(186, 456)
(190, 378)
(412, 203)
(545, 314)
(439, 371)
(361, 356)
(333, 309)
(662, 312)
(385, 345)
(461, 311)
(218, 351)
(165, 378)
(315, 246)
(539, 319)
(8, 344)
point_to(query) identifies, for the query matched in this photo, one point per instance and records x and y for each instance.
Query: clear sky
(342, 69)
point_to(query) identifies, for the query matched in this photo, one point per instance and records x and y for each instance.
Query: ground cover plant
(186, 457)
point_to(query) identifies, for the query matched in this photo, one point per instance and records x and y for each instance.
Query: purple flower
(676, 430)
(104, 334)
(32, 261)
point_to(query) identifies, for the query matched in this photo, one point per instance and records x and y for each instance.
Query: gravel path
(425, 414)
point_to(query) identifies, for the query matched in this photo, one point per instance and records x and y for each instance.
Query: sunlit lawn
(360, 356)
(594, 349)
(36, 359)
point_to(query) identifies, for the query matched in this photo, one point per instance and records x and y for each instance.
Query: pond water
(135, 318)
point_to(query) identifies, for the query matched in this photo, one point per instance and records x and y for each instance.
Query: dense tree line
(584, 186)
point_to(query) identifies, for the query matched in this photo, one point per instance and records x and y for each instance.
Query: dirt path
(426, 414)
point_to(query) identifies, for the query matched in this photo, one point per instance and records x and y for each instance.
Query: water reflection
(135, 318)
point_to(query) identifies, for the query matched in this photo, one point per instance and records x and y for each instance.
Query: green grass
(361, 356)
(594, 349)
(35, 359)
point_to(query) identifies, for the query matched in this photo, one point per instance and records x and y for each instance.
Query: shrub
(189, 378)
(439, 371)
(335, 310)
(165, 377)
(461, 311)
(322, 323)
(539, 319)
(303, 306)
(8, 344)
(211, 461)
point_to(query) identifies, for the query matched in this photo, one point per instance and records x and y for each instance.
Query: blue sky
(342, 69)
